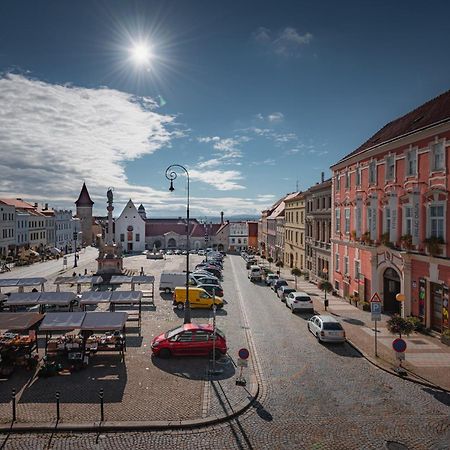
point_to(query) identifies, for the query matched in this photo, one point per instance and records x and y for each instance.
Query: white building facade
(238, 236)
(7, 229)
(130, 229)
(63, 229)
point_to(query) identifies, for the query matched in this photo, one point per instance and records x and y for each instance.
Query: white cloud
(287, 42)
(275, 117)
(223, 180)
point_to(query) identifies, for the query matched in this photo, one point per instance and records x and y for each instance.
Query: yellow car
(198, 298)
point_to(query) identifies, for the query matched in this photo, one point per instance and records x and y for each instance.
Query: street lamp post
(171, 175)
(75, 235)
(325, 273)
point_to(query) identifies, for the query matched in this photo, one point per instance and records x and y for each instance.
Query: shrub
(398, 325)
(416, 322)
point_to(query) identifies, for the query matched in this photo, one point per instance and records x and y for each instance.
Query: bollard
(13, 405)
(102, 412)
(57, 406)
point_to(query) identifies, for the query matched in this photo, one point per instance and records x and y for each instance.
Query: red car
(190, 339)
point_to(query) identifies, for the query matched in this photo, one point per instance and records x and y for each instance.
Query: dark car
(278, 283)
(212, 289)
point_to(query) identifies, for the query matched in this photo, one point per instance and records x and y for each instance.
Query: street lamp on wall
(171, 175)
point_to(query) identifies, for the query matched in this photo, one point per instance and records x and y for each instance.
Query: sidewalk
(427, 360)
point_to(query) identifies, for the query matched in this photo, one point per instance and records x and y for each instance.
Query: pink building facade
(391, 216)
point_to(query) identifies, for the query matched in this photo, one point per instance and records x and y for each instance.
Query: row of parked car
(325, 327)
(205, 289)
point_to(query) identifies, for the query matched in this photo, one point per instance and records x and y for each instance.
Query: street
(312, 396)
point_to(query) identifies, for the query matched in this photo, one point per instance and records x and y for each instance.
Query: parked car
(170, 280)
(198, 298)
(299, 301)
(251, 261)
(255, 273)
(326, 329)
(283, 291)
(169, 252)
(270, 278)
(214, 271)
(204, 279)
(190, 339)
(201, 253)
(277, 284)
(212, 289)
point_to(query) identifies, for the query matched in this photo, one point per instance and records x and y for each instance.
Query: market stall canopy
(55, 251)
(8, 282)
(31, 281)
(94, 297)
(23, 299)
(19, 321)
(104, 321)
(120, 279)
(143, 279)
(126, 297)
(57, 298)
(66, 280)
(88, 279)
(62, 321)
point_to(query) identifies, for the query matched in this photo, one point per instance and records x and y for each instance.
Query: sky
(254, 98)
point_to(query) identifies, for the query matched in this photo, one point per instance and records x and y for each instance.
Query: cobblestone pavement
(313, 396)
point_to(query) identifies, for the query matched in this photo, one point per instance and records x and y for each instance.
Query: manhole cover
(418, 342)
(392, 445)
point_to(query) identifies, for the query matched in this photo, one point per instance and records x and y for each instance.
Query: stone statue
(109, 194)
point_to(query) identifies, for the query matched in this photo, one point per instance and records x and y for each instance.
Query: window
(336, 262)
(346, 265)
(356, 270)
(138, 237)
(296, 237)
(436, 221)
(347, 220)
(372, 172)
(358, 176)
(387, 220)
(122, 237)
(347, 180)
(437, 156)
(411, 163)
(408, 226)
(390, 168)
(185, 337)
(301, 217)
(201, 336)
(338, 183)
(338, 220)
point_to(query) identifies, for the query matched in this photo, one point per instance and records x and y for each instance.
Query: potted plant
(296, 272)
(385, 239)
(398, 325)
(365, 238)
(417, 323)
(433, 244)
(406, 241)
(445, 337)
(353, 235)
(365, 306)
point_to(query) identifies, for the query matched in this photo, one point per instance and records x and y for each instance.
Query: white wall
(131, 239)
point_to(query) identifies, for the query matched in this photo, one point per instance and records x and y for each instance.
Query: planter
(445, 340)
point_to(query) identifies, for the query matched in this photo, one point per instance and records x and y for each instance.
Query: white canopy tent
(30, 299)
(20, 283)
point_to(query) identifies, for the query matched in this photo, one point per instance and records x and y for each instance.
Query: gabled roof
(17, 202)
(84, 199)
(430, 113)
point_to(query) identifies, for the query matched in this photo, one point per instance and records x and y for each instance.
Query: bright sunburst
(141, 54)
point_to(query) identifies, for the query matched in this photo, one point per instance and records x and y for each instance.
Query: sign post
(242, 362)
(375, 310)
(75, 236)
(214, 370)
(399, 346)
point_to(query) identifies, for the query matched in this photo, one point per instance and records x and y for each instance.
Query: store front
(436, 297)
(391, 287)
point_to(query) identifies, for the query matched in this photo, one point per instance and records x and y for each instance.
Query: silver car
(326, 329)
(283, 291)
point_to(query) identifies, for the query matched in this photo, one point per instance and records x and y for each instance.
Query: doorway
(436, 306)
(130, 247)
(391, 287)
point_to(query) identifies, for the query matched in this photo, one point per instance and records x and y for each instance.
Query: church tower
(84, 213)
(141, 211)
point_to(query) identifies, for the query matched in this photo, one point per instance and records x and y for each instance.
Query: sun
(141, 54)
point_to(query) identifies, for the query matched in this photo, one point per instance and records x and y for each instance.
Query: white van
(170, 280)
(255, 273)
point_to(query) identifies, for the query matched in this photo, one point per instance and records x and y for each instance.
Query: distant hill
(216, 219)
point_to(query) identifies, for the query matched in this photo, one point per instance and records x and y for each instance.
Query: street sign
(375, 298)
(242, 362)
(399, 345)
(400, 356)
(375, 309)
(243, 353)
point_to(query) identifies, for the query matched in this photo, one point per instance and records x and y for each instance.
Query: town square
(224, 225)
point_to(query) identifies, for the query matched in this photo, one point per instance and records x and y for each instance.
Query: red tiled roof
(430, 113)
(159, 227)
(17, 202)
(84, 199)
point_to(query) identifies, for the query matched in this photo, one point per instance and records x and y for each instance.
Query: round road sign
(399, 345)
(243, 353)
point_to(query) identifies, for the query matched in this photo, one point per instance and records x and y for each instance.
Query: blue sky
(252, 97)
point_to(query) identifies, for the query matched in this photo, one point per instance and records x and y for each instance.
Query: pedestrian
(74, 274)
(85, 271)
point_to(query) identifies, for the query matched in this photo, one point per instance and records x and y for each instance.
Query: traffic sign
(400, 356)
(399, 345)
(243, 353)
(375, 298)
(375, 309)
(242, 362)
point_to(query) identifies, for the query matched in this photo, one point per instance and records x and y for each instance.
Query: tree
(325, 286)
(270, 261)
(279, 264)
(399, 325)
(296, 272)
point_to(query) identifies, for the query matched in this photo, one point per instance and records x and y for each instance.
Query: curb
(390, 371)
(111, 426)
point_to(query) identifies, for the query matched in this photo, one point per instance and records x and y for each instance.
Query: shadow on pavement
(167, 297)
(200, 313)
(440, 396)
(354, 321)
(134, 341)
(18, 379)
(342, 349)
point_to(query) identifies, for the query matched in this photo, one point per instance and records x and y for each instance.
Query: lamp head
(171, 188)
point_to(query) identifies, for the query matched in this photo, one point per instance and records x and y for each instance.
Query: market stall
(94, 298)
(22, 300)
(21, 283)
(78, 281)
(128, 298)
(45, 300)
(18, 340)
(147, 294)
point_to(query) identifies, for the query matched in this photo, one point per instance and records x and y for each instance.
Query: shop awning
(94, 297)
(126, 297)
(104, 321)
(19, 321)
(62, 321)
(23, 299)
(88, 279)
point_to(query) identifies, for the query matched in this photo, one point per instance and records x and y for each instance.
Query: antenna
(296, 186)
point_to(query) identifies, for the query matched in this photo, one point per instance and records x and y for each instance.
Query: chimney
(46, 206)
(221, 218)
(35, 204)
(323, 177)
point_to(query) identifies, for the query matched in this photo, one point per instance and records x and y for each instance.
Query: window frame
(409, 158)
(389, 162)
(433, 167)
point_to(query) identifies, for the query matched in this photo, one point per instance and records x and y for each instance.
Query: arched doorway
(391, 287)
(171, 243)
(157, 244)
(291, 260)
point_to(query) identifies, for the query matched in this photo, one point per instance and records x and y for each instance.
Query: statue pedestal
(109, 261)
